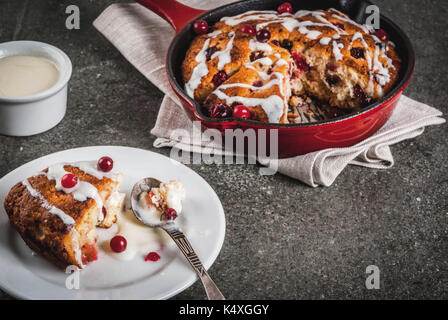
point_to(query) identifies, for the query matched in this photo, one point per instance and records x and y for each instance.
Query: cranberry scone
(289, 67)
(56, 211)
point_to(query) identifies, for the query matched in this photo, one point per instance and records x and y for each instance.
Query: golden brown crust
(42, 231)
(360, 57)
(257, 88)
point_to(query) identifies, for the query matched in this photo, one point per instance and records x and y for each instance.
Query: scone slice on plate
(58, 220)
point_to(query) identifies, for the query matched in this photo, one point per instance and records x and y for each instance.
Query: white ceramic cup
(33, 114)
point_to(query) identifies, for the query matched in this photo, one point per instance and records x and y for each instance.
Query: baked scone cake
(56, 211)
(282, 66)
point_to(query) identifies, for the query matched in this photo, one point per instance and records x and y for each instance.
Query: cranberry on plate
(69, 181)
(118, 244)
(105, 164)
(200, 27)
(241, 112)
(284, 7)
(152, 256)
(170, 214)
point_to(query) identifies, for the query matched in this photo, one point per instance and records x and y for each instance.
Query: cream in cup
(33, 87)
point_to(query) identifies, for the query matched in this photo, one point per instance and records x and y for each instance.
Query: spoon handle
(184, 245)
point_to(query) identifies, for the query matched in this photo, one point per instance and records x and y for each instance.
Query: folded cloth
(142, 37)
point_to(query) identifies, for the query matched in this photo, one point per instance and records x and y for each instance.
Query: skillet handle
(177, 14)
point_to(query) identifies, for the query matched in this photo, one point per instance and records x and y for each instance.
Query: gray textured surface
(284, 240)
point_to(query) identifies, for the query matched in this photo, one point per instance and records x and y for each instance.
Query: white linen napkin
(143, 38)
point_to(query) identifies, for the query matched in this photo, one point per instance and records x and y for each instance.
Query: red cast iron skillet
(293, 139)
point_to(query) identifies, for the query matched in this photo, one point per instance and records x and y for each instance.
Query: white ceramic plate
(26, 275)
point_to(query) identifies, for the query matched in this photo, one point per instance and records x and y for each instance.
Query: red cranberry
(263, 35)
(152, 256)
(339, 25)
(241, 112)
(210, 51)
(118, 244)
(285, 7)
(200, 26)
(220, 110)
(170, 214)
(247, 28)
(219, 78)
(381, 34)
(357, 53)
(105, 164)
(258, 83)
(104, 211)
(256, 55)
(69, 181)
(276, 42)
(301, 62)
(287, 44)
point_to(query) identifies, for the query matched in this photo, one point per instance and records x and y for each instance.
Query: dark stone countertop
(284, 240)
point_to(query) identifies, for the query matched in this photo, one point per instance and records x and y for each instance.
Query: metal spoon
(145, 185)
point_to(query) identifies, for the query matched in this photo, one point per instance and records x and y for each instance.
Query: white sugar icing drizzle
(249, 15)
(214, 34)
(81, 192)
(199, 71)
(348, 20)
(50, 208)
(90, 167)
(224, 56)
(254, 45)
(272, 105)
(325, 41)
(337, 50)
(378, 72)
